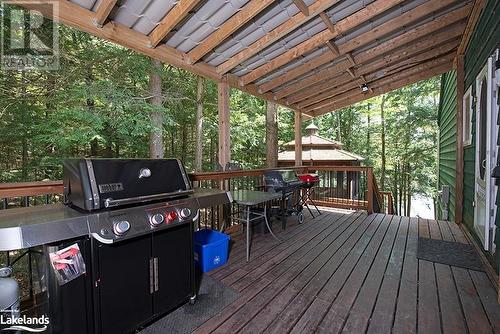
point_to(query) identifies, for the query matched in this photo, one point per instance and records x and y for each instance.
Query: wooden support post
(224, 138)
(369, 172)
(298, 139)
(272, 135)
(459, 181)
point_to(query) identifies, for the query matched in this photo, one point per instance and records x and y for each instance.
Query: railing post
(389, 204)
(369, 171)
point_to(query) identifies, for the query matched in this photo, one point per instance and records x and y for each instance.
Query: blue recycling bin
(210, 249)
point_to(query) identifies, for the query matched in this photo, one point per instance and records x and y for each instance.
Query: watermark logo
(29, 37)
(24, 323)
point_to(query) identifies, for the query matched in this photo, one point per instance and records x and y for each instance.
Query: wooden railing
(346, 187)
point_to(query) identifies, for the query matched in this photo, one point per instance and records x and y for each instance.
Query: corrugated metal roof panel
(89, 4)
(204, 22)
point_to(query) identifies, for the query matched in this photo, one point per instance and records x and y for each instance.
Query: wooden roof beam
(375, 81)
(360, 16)
(350, 58)
(351, 72)
(411, 71)
(371, 10)
(390, 86)
(471, 23)
(301, 6)
(247, 13)
(333, 47)
(274, 35)
(329, 24)
(102, 12)
(371, 72)
(412, 35)
(174, 17)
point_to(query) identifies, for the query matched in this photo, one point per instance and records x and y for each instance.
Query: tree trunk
(382, 125)
(272, 135)
(156, 147)
(200, 95)
(184, 143)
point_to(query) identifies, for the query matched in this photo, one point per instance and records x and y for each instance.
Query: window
(467, 112)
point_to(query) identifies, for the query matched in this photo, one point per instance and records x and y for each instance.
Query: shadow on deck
(354, 273)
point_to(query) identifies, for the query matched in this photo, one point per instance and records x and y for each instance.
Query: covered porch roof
(312, 56)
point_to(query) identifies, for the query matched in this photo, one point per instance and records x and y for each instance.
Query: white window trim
(467, 137)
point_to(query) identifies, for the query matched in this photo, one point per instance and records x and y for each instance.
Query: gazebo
(318, 151)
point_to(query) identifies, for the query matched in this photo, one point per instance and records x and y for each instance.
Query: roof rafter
(384, 88)
(404, 73)
(227, 28)
(471, 23)
(272, 36)
(329, 24)
(376, 70)
(371, 10)
(176, 15)
(102, 12)
(301, 6)
(440, 43)
(368, 12)
(402, 54)
(407, 37)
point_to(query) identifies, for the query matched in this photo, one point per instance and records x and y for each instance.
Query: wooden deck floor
(353, 273)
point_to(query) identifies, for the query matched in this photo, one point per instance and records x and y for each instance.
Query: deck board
(353, 273)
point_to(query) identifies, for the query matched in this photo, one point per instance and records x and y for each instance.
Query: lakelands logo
(29, 35)
(24, 323)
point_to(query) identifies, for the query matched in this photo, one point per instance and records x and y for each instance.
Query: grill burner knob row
(122, 227)
(157, 219)
(186, 212)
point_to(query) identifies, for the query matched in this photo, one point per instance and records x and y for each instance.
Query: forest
(99, 104)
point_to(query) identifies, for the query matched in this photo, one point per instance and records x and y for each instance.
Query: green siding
(484, 40)
(447, 139)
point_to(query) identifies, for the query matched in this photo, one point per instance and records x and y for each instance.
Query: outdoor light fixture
(364, 88)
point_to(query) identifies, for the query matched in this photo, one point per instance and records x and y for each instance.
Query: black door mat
(213, 296)
(450, 253)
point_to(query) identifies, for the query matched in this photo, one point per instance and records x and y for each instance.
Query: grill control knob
(122, 227)
(157, 219)
(171, 216)
(186, 212)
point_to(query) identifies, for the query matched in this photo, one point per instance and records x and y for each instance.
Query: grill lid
(93, 184)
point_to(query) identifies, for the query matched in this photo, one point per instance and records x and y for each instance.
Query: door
(174, 277)
(485, 155)
(124, 289)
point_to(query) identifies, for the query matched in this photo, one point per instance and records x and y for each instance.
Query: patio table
(249, 199)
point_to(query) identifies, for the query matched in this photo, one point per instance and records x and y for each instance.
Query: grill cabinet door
(125, 298)
(173, 249)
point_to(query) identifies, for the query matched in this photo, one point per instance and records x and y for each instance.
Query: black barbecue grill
(133, 222)
(287, 183)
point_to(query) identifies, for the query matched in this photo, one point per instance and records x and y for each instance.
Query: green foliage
(96, 104)
(410, 137)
